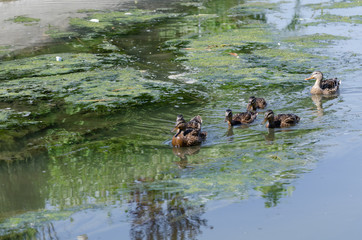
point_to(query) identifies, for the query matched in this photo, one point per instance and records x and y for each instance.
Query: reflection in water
(271, 135)
(156, 216)
(22, 186)
(317, 100)
(273, 194)
(230, 132)
(47, 231)
(295, 21)
(82, 237)
(183, 152)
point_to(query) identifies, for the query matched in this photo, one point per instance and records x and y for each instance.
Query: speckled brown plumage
(194, 123)
(280, 120)
(327, 86)
(239, 118)
(188, 133)
(255, 103)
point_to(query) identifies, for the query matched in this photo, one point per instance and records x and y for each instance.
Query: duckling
(194, 123)
(188, 133)
(239, 118)
(280, 120)
(327, 86)
(255, 103)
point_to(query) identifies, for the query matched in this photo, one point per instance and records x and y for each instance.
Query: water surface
(85, 148)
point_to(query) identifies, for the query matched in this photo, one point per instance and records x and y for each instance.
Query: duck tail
(203, 135)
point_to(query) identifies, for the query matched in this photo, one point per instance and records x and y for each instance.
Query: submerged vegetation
(334, 5)
(117, 22)
(24, 19)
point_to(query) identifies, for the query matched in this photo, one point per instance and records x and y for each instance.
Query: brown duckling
(188, 133)
(239, 118)
(327, 86)
(280, 120)
(255, 103)
(194, 123)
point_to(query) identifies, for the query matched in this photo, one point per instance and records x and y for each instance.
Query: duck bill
(173, 129)
(309, 78)
(179, 131)
(264, 121)
(226, 119)
(248, 107)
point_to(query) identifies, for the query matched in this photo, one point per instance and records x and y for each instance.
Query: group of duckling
(190, 133)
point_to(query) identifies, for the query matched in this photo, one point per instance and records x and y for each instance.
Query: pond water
(85, 147)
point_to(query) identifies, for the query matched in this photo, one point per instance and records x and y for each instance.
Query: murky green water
(85, 147)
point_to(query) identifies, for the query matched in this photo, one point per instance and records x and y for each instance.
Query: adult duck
(239, 118)
(188, 133)
(327, 86)
(280, 120)
(255, 103)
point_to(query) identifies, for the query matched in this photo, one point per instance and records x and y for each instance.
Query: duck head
(268, 116)
(251, 104)
(317, 75)
(228, 115)
(180, 118)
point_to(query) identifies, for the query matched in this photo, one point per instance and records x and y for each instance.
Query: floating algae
(57, 33)
(24, 19)
(79, 83)
(117, 22)
(314, 40)
(333, 5)
(246, 53)
(46, 65)
(96, 87)
(248, 8)
(336, 18)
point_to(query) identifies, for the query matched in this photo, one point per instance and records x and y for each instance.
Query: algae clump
(117, 22)
(24, 19)
(313, 40)
(57, 33)
(336, 18)
(333, 5)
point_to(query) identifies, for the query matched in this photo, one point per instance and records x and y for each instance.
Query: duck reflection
(230, 132)
(317, 100)
(271, 135)
(158, 215)
(183, 152)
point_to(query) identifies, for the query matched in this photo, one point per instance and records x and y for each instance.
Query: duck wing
(330, 83)
(261, 103)
(197, 119)
(287, 118)
(245, 117)
(195, 123)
